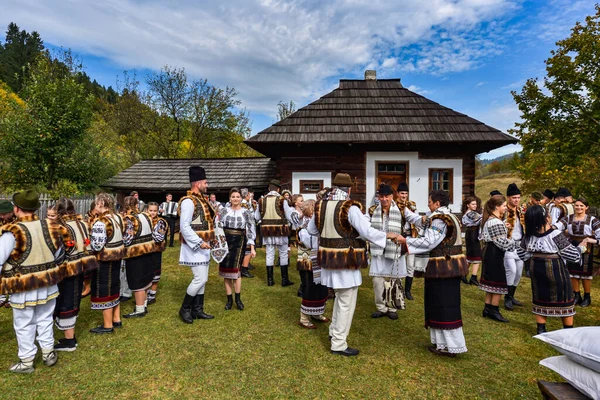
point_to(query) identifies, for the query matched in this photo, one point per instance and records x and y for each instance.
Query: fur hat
(512, 190)
(5, 207)
(402, 187)
(562, 192)
(342, 180)
(548, 193)
(197, 174)
(27, 200)
(495, 193)
(385, 190)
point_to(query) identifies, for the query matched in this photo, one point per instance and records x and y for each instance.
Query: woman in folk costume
(240, 230)
(314, 295)
(79, 260)
(495, 243)
(446, 264)
(32, 264)
(162, 226)
(295, 219)
(550, 283)
(89, 217)
(514, 219)
(578, 227)
(141, 239)
(107, 242)
(471, 219)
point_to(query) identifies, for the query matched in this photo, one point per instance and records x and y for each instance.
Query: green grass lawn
(261, 352)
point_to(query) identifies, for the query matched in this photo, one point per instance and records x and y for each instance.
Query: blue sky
(464, 54)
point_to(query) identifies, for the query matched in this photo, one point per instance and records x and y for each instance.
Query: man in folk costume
(388, 262)
(561, 208)
(409, 229)
(168, 210)
(513, 265)
(197, 230)
(340, 225)
(441, 240)
(7, 214)
(547, 197)
(32, 253)
(275, 231)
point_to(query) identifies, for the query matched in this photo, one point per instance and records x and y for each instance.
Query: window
(441, 179)
(399, 168)
(313, 186)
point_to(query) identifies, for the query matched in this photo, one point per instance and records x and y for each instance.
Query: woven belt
(546, 255)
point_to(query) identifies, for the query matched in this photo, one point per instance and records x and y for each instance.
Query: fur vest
(138, 234)
(113, 250)
(79, 257)
(273, 221)
(511, 215)
(203, 220)
(339, 244)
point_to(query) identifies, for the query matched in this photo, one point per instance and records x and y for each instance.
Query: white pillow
(583, 379)
(581, 345)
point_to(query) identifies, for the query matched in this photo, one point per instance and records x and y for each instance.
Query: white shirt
(191, 254)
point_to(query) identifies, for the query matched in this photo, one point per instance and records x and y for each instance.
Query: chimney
(370, 75)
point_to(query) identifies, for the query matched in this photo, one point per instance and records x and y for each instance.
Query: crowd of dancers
(49, 265)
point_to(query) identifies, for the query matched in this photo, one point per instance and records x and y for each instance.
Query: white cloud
(271, 50)
(417, 89)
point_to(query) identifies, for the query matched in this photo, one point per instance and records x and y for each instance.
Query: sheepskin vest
(142, 242)
(79, 257)
(203, 220)
(274, 223)
(447, 260)
(511, 215)
(566, 209)
(339, 244)
(32, 264)
(113, 250)
(161, 224)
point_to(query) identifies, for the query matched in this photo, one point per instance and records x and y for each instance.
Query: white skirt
(452, 340)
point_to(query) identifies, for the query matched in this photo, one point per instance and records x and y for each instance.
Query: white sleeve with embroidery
(363, 226)
(431, 237)
(98, 236)
(250, 228)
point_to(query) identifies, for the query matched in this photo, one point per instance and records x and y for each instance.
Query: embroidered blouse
(239, 219)
(471, 218)
(495, 231)
(550, 242)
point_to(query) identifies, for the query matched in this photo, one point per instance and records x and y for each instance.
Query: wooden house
(378, 131)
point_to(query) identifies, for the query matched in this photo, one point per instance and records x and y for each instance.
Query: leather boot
(495, 314)
(541, 328)
(229, 303)
(578, 298)
(515, 302)
(270, 281)
(407, 286)
(246, 273)
(473, 280)
(486, 311)
(508, 304)
(238, 302)
(198, 310)
(185, 312)
(285, 281)
(464, 280)
(587, 300)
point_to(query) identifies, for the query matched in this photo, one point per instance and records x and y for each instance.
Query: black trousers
(171, 222)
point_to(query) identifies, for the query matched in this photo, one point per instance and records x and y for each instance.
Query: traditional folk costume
(240, 232)
(513, 265)
(196, 226)
(409, 230)
(296, 220)
(388, 262)
(107, 242)
(441, 240)
(169, 213)
(550, 282)
(495, 244)
(274, 230)
(472, 221)
(561, 209)
(32, 258)
(79, 260)
(339, 222)
(577, 231)
(162, 227)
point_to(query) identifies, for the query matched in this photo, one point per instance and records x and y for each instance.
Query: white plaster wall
(309, 176)
(418, 179)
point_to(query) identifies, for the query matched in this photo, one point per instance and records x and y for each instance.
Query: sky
(467, 55)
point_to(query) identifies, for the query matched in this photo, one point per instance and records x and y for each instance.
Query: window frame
(302, 182)
(450, 180)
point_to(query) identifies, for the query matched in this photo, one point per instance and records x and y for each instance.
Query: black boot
(185, 312)
(407, 286)
(464, 280)
(198, 310)
(473, 280)
(246, 273)
(486, 311)
(285, 281)
(238, 302)
(587, 300)
(512, 290)
(508, 304)
(495, 314)
(270, 281)
(229, 302)
(567, 326)
(578, 298)
(541, 328)
(250, 267)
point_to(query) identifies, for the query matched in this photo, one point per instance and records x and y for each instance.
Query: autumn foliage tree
(560, 128)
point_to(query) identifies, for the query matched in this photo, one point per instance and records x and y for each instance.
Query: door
(391, 173)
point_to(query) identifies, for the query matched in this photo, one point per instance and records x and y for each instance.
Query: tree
(284, 110)
(560, 132)
(19, 50)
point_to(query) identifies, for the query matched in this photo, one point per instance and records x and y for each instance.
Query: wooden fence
(82, 203)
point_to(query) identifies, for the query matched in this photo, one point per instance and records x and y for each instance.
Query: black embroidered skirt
(229, 268)
(493, 274)
(473, 244)
(157, 264)
(586, 269)
(442, 304)
(68, 302)
(140, 271)
(551, 287)
(314, 296)
(106, 285)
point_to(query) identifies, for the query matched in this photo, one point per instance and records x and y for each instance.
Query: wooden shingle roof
(160, 175)
(377, 111)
